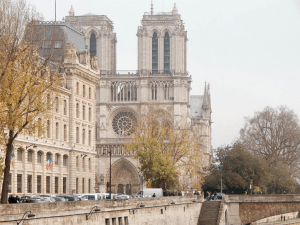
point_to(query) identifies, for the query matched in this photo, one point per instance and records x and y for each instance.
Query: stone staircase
(209, 213)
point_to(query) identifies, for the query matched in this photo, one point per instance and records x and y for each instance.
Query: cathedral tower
(162, 42)
(99, 38)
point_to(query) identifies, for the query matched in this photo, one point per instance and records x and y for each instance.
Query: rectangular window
(56, 185)
(90, 138)
(19, 183)
(64, 185)
(39, 183)
(57, 131)
(65, 107)
(65, 132)
(77, 134)
(90, 93)
(56, 159)
(83, 112)
(120, 221)
(76, 185)
(20, 155)
(83, 91)
(48, 184)
(29, 183)
(65, 160)
(126, 220)
(83, 136)
(82, 185)
(77, 110)
(90, 114)
(114, 221)
(48, 129)
(77, 88)
(107, 221)
(29, 156)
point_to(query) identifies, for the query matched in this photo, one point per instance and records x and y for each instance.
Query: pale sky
(248, 50)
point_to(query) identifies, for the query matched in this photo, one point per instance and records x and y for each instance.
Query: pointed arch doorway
(124, 178)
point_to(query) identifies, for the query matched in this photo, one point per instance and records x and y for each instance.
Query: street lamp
(109, 183)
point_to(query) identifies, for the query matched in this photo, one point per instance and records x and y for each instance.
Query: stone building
(123, 96)
(98, 105)
(62, 161)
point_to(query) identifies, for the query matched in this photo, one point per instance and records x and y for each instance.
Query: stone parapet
(184, 209)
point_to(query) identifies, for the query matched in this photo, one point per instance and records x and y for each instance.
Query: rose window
(123, 123)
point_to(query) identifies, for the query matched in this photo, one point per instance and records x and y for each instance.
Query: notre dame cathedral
(161, 79)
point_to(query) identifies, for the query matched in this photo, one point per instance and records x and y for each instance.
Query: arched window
(167, 53)
(93, 45)
(83, 112)
(39, 157)
(154, 53)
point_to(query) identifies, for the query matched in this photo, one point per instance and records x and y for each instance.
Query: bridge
(174, 210)
(247, 209)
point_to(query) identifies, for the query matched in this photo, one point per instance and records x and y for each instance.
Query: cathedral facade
(161, 79)
(97, 106)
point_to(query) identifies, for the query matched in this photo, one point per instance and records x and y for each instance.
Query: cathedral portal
(124, 177)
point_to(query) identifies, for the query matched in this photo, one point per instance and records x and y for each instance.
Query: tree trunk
(9, 149)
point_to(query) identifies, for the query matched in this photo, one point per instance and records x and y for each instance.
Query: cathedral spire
(151, 7)
(205, 99)
(174, 11)
(71, 12)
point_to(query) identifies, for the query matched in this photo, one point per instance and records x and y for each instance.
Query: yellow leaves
(164, 150)
(24, 86)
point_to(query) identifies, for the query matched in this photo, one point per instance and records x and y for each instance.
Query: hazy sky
(248, 50)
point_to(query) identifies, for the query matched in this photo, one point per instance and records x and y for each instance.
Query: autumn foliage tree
(26, 80)
(164, 150)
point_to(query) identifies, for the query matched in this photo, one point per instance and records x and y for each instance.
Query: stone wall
(113, 212)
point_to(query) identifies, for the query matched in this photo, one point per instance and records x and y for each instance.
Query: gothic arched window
(167, 53)
(154, 53)
(93, 45)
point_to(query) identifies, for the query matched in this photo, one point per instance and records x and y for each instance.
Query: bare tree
(274, 134)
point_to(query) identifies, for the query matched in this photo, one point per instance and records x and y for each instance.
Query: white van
(95, 196)
(148, 192)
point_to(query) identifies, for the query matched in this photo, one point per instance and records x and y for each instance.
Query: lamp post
(109, 183)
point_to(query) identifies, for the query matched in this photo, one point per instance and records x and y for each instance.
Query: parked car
(35, 200)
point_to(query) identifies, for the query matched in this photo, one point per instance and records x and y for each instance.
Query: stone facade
(156, 211)
(118, 99)
(63, 160)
